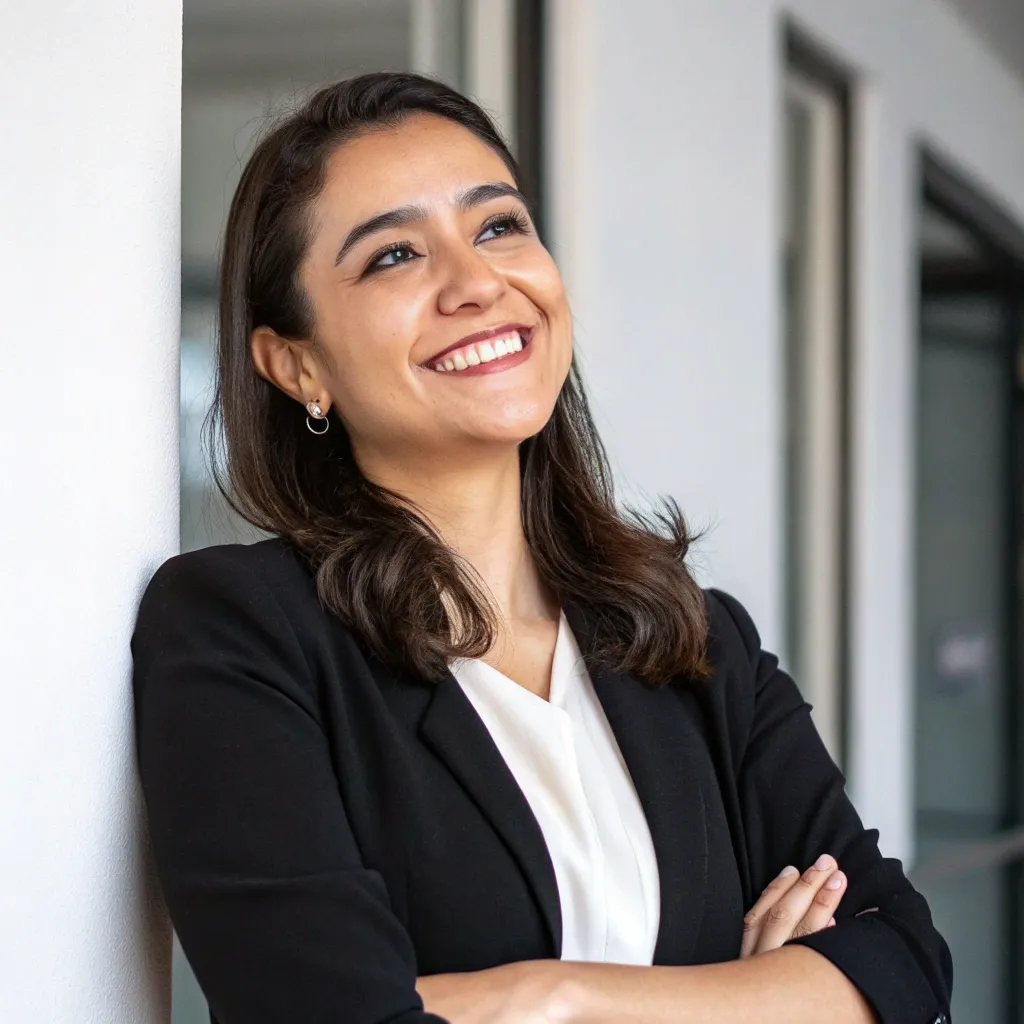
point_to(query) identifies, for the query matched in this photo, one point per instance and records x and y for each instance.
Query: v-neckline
(562, 665)
(660, 742)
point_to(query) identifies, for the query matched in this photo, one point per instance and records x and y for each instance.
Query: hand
(794, 905)
(527, 992)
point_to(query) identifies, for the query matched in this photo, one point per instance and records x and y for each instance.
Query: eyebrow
(465, 200)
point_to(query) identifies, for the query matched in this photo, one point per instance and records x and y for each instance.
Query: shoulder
(233, 622)
(227, 566)
(733, 639)
(229, 594)
(231, 575)
(741, 673)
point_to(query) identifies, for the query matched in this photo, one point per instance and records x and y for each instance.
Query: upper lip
(493, 332)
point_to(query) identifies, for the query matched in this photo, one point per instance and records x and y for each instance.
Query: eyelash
(518, 222)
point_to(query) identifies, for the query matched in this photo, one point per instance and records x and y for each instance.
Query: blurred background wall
(793, 235)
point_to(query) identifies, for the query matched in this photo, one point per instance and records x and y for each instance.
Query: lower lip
(494, 366)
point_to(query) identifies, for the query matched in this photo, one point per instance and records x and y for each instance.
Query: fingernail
(831, 923)
(788, 872)
(824, 862)
(836, 881)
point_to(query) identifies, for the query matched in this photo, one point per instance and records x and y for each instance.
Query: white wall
(89, 103)
(664, 166)
(664, 220)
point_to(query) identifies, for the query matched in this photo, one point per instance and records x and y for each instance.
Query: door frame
(1002, 240)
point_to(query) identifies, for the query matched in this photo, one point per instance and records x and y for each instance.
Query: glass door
(968, 559)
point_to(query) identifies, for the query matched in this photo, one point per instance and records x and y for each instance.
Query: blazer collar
(657, 729)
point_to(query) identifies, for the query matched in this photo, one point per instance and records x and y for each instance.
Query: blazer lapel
(658, 733)
(453, 730)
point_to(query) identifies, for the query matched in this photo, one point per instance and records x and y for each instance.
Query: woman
(462, 742)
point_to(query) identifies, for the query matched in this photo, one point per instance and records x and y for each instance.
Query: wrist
(572, 999)
(549, 986)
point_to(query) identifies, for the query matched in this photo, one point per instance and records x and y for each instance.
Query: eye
(502, 224)
(391, 256)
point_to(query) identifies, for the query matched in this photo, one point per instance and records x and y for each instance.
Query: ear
(289, 365)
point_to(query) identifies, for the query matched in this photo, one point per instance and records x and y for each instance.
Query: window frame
(818, 397)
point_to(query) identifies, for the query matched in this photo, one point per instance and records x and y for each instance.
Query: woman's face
(443, 318)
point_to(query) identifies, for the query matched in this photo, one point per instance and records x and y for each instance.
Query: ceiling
(1000, 23)
(308, 37)
(236, 44)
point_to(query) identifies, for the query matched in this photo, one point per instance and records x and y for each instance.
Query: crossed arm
(768, 983)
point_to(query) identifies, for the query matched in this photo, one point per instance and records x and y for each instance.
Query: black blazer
(326, 828)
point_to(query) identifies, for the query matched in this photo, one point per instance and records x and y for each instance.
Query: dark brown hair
(378, 564)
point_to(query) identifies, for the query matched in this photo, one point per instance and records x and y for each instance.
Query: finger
(823, 906)
(789, 911)
(754, 919)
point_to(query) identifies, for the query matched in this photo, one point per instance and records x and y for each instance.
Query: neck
(476, 507)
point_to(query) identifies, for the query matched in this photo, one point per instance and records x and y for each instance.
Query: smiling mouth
(491, 348)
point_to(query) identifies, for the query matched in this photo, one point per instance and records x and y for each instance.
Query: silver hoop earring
(314, 410)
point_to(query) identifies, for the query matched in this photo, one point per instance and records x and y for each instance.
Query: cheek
(370, 363)
(370, 343)
(539, 279)
(382, 330)
(540, 276)
(553, 302)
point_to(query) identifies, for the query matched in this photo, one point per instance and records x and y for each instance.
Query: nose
(469, 281)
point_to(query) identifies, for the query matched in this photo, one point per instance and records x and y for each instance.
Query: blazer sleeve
(262, 877)
(794, 807)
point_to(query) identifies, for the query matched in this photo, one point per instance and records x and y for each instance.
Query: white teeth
(481, 352)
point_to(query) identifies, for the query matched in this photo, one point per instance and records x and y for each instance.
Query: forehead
(425, 160)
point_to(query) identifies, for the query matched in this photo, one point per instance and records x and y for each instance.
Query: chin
(504, 434)
(514, 426)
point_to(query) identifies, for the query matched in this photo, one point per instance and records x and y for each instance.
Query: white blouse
(564, 756)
